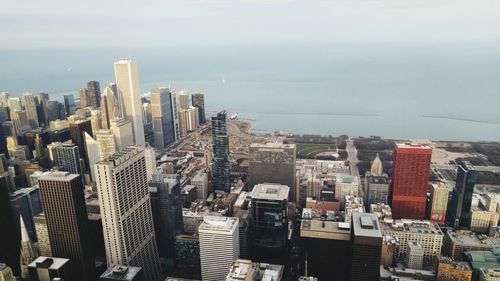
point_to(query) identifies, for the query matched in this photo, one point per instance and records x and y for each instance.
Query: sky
(161, 23)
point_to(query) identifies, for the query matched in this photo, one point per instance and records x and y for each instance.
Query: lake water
(393, 91)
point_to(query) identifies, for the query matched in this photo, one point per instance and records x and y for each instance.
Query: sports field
(312, 149)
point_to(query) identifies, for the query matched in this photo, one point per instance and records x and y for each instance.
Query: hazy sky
(118, 23)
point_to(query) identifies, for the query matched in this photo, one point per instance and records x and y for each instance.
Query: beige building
(106, 143)
(123, 131)
(439, 202)
(414, 255)
(455, 243)
(489, 274)
(346, 185)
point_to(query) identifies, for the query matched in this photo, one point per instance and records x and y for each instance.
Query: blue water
(394, 91)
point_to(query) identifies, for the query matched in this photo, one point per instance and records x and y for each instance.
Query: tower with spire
(29, 251)
(377, 169)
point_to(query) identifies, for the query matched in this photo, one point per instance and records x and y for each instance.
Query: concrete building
(219, 246)
(455, 243)
(377, 169)
(30, 105)
(95, 120)
(77, 130)
(489, 274)
(92, 148)
(481, 220)
(246, 270)
(410, 180)
(427, 234)
(346, 185)
(42, 234)
(377, 190)
(450, 270)
(20, 122)
(122, 273)
(273, 163)
(106, 144)
(126, 212)
(6, 273)
(270, 222)
(200, 180)
(316, 236)
(111, 106)
(414, 255)
(68, 230)
(389, 250)
(183, 100)
(50, 268)
(123, 131)
(438, 203)
(129, 95)
(366, 239)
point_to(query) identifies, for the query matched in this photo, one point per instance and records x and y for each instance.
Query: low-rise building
(456, 243)
(246, 270)
(414, 255)
(450, 270)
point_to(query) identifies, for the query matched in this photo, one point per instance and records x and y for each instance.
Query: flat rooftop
(270, 191)
(58, 176)
(218, 223)
(316, 228)
(121, 272)
(415, 226)
(366, 225)
(49, 262)
(468, 238)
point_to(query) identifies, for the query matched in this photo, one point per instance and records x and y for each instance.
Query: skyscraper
(127, 219)
(20, 122)
(106, 144)
(68, 230)
(30, 104)
(219, 246)
(461, 198)
(163, 123)
(366, 238)
(220, 160)
(29, 251)
(273, 163)
(129, 93)
(9, 244)
(84, 98)
(69, 104)
(167, 190)
(270, 216)
(92, 149)
(68, 158)
(175, 115)
(438, 203)
(94, 93)
(198, 100)
(410, 180)
(124, 133)
(110, 105)
(182, 100)
(77, 130)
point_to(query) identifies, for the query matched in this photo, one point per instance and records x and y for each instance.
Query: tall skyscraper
(273, 163)
(69, 104)
(20, 122)
(77, 130)
(84, 98)
(110, 105)
(92, 148)
(30, 104)
(220, 160)
(44, 99)
(106, 143)
(182, 100)
(167, 190)
(127, 218)
(410, 180)
(270, 216)
(198, 100)
(68, 158)
(68, 230)
(438, 203)
(175, 115)
(129, 93)
(94, 93)
(124, 133)
(219, 246)
(95, 120)
(9, 244)
(42, 234)
(461, 198)
(366, 237)
(163, 122)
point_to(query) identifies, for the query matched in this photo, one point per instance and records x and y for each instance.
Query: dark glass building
(94, 92)
(161, 113)
(10, 241)
(461, 199)
(77, 131)
(198, 100)
(366, 238)
(220, 160)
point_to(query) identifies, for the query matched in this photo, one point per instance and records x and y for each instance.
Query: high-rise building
(9, 244)
(94, 93)
(346, 186)
(77, 130)
(461, 198)
(167, 191)
(198, 100)
(106, 144)
(68, 159)
(183, 100)
(150, 159)
(163, 122)
(84, 98)
(129, 93)
(92, 148)
(20, 122)
(192, 121)
(126, 213)
(42, 113)
(124, 133)
(219, 246)
(377, 169)
(14, 103)
(438, 203)
(50, 269)
(69, 104)
(410, 180)
(366, 240)
(68, 230)
(377, 190)
(111, 107)
(54, 111)
(175, 115)
(95, 120)
(200, 180)
(220, 160)
(29, 251)
(273, 163)
(270, 222)
(122, 273)
(25, 202)
(30, 104)
(42, 234)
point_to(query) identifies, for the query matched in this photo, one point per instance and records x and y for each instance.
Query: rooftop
(366, 225)
(218, 223)
(58, 176)
(469, 238)
(121, 272)
(49, 262)
(415, 226)
(270, 191)
(272, 145)
(243, 269)
(315, 228)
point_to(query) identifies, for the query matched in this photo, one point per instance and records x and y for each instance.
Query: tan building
(455, 243)
(414, 255)
(449, 270)
(439, 202)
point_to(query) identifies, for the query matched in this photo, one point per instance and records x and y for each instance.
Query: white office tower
(106, 144)
(219, 246)
(150, 157)
(129, 94)
(92, 149)
(127, 219)
(123, 132)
